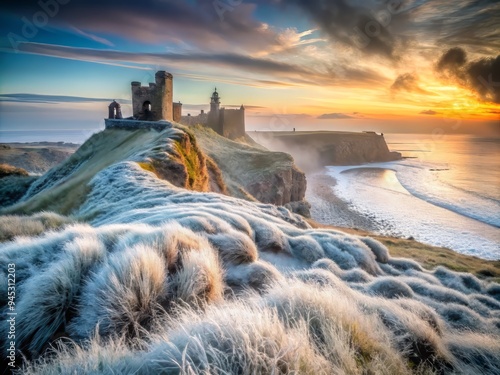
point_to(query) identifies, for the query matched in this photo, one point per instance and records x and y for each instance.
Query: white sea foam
(407, 198)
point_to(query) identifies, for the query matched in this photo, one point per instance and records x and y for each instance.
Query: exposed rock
(313, 150)
(9, 170)
(185, 166)
(302, 208)
(267, 176)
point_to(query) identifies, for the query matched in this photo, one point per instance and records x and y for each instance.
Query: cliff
(322, 148)
(249, 169)
(174, 155)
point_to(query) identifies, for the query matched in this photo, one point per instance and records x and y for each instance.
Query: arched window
(146, 106)
(115, 110)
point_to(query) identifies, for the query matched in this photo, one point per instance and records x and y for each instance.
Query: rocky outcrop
(280, 187)
(357, 150)
(251, 171)
(313, 150)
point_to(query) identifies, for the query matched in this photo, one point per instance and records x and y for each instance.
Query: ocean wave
(387, 192)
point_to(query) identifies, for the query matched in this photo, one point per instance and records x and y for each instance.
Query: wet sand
(328, 209)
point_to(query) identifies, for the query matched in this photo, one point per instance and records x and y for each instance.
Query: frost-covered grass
(187, 282)
(431, 257)
(64, 187)
(162, 280)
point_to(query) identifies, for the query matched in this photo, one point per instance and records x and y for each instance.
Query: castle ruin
(229, 123)
(153, 107)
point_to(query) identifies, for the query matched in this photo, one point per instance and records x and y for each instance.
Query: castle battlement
(153, 107)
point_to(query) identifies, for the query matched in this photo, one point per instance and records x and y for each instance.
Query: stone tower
(154, 102)
(214, 114)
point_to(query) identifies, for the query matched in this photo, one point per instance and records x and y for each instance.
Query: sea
(52, 135)
(445, 192)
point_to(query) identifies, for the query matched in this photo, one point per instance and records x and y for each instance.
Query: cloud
(336, 116)
(481, 76)
(199, 24)
(40, 98)
(93, 37)
(430, 112)
(287, 72)
(407, 82)
(452, 60)
(372, 26)
(471, 24)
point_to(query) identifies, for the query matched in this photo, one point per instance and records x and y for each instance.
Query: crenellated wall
(158, 94)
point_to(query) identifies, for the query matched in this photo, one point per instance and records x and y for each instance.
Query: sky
(409, 66)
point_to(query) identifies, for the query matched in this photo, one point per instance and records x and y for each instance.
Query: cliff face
(282, 187)
(317, 149)
(251, 170)
(357, 150)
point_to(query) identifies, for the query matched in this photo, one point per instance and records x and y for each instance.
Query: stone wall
(177, 112)
(158, 94)
(136, 124)
(232, 123)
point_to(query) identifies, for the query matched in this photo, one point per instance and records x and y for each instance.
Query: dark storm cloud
(481, 76)
(452, 60)
(389, 27)
(372, 26)
(484, 78)
(472, 24)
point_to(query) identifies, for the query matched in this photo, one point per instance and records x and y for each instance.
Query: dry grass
(9, 170)
(12, 226)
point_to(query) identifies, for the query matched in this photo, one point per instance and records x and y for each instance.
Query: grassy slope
(430, 256)
(100, 151)
(235, 157)
(36, 157)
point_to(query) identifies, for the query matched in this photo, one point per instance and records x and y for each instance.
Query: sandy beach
(327, 208)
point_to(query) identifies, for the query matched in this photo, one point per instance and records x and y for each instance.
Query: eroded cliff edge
(317, 149)
(252, 170)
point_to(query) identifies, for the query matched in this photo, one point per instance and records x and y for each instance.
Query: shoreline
(328, 209)
(463, 234)
(429, 256)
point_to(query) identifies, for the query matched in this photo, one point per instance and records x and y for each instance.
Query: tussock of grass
(429, 256)
(9, 170)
